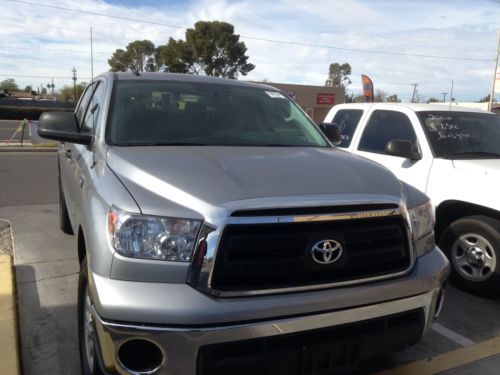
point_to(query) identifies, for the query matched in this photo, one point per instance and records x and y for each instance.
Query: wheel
(64, 222)
(86, 329)
(473, 248)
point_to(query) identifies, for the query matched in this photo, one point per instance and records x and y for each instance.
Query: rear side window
(384, 126)
(348, 120)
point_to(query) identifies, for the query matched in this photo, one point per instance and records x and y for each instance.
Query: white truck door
(386, 124)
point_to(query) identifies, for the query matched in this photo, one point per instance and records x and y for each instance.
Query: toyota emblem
(326, 251)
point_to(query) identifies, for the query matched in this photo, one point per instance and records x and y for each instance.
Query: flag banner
(367, 88)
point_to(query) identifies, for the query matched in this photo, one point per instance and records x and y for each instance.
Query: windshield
(193, 113)
(462, 135)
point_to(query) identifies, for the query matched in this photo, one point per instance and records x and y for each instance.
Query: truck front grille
(279, 255)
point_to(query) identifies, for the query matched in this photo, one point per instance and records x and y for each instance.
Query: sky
(43, 41)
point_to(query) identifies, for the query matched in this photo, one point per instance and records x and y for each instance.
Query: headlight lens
(152, 237)
(422, 225)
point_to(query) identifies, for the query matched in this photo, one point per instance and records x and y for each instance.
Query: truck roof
(181, 77)
(417, 107)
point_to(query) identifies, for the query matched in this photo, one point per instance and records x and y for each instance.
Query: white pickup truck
(451, 154)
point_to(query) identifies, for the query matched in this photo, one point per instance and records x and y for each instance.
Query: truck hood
(479, 166)
(214, 176)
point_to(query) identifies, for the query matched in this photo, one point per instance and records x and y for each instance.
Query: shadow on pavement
(49, 343)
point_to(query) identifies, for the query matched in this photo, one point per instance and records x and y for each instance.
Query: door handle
(67, 153)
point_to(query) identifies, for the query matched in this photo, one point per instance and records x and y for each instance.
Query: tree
(433, 100)
(67, 93)
(211, 48)
(176, 57)
(393, 99)
(137, 57)
(486, 99)
(9, 84)
(27, 89)
(338, 75)
(380, 95)
(358, 99)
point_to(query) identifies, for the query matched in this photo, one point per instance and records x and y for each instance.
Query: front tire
(86, 330)
(473, 248)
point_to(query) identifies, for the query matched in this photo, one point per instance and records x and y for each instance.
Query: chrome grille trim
(201, 277)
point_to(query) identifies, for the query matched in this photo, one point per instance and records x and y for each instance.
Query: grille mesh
(271, 256)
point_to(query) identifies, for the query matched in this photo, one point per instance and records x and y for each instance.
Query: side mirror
(405, 149)
(332, 132)
(61, 126)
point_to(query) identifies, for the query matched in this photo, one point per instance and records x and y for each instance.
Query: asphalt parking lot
(464, 341)
(8, 130)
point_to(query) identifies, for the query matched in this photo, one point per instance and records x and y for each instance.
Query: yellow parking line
(9, 360)
(449, 360)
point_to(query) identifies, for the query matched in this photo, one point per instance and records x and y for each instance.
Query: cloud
(45, 41)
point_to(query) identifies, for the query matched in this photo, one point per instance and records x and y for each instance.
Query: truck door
(383, 126)
(79, 158)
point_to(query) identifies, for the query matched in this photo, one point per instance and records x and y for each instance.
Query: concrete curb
(9, 356)
(27, 149)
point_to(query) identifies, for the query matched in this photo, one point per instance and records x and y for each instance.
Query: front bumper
(180, 346)
(188, 321)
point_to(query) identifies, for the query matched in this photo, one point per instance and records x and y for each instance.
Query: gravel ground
(5, 238)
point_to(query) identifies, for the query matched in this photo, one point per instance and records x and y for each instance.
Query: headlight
(152, 237)
(422, 226)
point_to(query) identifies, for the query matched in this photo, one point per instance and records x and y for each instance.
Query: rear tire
(64, 222)
(87, 339)
(472, 245)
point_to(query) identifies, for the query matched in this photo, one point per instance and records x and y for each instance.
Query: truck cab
(453, 155)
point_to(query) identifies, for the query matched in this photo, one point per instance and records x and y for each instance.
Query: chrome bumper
(180, 345)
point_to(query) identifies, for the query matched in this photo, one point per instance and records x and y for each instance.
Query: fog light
(138, 356)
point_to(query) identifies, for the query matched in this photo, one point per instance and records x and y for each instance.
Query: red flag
(367, 88)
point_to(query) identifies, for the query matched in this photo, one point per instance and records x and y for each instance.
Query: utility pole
(492, 95)
(451, 95)
(74, 82)
(91, 57)
(414, 92)
(444, 96)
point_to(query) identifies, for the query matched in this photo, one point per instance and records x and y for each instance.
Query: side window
(348, 120)
(92, 112)
(82, 105)
(384, 126)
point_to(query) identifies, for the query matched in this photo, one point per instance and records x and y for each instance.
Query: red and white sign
(325, 99)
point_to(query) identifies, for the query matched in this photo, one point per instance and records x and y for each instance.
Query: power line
(52, 50)
(97, 14)
(31, 58)
(302, 44)
(38, 76)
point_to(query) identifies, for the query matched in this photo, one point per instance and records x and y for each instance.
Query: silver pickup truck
(219, 231)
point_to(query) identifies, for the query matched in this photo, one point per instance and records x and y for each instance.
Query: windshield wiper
(475, 153)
